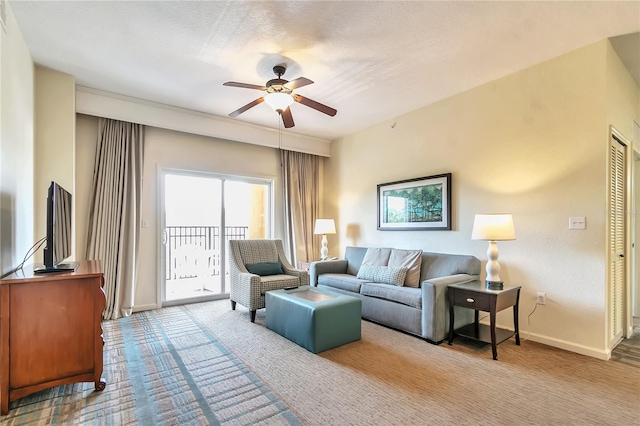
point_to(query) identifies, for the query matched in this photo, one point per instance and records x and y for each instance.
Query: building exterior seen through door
(201, 212)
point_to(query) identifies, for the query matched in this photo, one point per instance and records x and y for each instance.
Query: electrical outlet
(541, 299)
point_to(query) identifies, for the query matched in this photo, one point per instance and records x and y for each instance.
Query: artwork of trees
(415, 204)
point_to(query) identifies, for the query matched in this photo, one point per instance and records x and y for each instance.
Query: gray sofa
(422, 311)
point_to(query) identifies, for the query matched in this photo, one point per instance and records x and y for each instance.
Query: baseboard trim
(141, 308)
(570, 346)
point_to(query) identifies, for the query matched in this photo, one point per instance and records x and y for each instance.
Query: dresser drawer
(471, 299)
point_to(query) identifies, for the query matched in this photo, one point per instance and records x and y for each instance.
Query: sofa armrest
(245, 288)
(303, 276)
(326, 267)
(435, 306)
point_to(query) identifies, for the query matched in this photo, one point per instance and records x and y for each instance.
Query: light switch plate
(578, 222)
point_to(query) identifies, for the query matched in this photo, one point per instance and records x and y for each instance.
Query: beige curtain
(301, 182)
(113, 235)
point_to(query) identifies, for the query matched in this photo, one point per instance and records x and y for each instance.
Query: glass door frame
(161, 246)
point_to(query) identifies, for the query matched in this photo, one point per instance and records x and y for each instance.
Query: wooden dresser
(50, 331)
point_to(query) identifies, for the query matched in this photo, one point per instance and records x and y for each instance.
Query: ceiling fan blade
(298, 82)
(287, 118)
(246, 107)
(315, 105)
(244, 85)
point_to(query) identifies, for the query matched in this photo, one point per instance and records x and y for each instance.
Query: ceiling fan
(279, 96)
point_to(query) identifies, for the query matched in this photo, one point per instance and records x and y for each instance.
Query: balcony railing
(194, 251)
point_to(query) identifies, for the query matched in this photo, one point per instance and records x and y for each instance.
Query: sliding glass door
(200, 213)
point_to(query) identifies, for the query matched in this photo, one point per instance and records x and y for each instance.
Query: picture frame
(420, 204)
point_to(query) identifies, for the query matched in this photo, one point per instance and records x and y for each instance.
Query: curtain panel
(301, 194)
(113, 234)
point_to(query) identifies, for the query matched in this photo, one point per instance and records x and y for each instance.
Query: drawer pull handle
(470, 300)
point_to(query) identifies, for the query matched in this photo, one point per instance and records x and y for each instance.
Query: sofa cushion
(342, 281)
(265, 268)
(410, 259)
(383, 274)
(354, 256)
(405, 295)
(377, 256)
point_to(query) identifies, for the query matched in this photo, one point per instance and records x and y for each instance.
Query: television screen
(59, 210)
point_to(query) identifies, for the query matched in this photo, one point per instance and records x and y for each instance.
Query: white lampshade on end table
(324, 227)
(492, 228)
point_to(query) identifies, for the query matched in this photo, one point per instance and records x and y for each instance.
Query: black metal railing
(195, 250)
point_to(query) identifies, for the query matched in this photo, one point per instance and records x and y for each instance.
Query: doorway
(635, 288)
(199, 213)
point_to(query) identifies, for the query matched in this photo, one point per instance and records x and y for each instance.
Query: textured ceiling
(370, 60)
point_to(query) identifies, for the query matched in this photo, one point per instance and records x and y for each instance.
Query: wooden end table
(474, 295)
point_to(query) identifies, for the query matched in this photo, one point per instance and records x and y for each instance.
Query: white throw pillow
(410, 259)
(383, 274)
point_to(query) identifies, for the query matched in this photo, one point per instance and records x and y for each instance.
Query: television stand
(60, 267)
(50, 330)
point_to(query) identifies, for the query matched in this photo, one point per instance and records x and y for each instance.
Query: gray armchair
(248, 288)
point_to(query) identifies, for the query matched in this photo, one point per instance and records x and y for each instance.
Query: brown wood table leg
(516, 326)
(451, 317)
(476, 319)
(494, 349)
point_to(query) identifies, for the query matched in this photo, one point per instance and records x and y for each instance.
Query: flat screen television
(58, 246)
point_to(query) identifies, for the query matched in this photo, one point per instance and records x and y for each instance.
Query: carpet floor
(205, 364)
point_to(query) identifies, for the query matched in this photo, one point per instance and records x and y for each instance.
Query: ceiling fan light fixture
(278, 101)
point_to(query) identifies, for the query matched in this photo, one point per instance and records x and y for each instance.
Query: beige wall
(16, 146)
(623, 106)
(55, 129)
(533, 144)
(86, 141)
(171, 150)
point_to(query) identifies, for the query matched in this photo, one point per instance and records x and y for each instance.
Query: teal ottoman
(315, 319)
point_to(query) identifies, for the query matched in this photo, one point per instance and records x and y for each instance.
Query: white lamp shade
(278, 101)
(493, 227)
(324, 226)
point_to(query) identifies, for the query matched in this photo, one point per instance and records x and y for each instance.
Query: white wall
(173, 150)
(16, 146)
(55, 130)
(534, 144)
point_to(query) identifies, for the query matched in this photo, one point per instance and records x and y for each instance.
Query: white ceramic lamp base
(493, 281)
(324, 251)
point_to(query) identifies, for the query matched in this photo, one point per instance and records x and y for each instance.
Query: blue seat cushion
(346, 282)
(409, 296)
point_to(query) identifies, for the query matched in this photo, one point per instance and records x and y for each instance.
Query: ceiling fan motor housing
(279, 70)
(277, 85)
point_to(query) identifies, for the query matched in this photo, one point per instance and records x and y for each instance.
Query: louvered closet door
(617, 208)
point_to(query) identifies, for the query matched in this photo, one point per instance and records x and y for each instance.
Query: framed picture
(420, 204)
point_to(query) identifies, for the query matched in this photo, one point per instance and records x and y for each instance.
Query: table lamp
(324, 227)
(492, 228)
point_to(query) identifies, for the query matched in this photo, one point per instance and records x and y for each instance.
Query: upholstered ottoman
(315, 319)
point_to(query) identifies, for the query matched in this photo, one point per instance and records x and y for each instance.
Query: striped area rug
(161, 367)
(628, 351)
